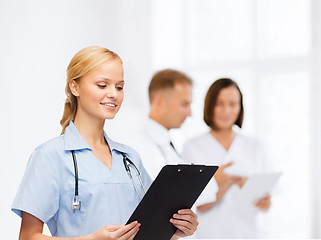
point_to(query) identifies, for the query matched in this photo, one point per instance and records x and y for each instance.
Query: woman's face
(100, 93)
(227, 108)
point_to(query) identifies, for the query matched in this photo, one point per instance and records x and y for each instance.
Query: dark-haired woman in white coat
(239, 157)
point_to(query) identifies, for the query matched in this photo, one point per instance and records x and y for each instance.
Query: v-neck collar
(221, 146)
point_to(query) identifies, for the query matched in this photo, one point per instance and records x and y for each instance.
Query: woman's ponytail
(70, 110)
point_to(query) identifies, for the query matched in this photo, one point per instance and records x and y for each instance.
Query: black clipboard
(176, 187)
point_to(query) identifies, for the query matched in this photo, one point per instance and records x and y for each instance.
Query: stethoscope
(76, 204)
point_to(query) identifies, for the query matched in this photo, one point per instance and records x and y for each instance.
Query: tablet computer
(255, 187)
(176, 187)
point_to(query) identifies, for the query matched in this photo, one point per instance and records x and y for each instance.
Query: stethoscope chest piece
(76, 204)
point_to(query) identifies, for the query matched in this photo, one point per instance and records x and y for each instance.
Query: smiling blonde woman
(77, 183)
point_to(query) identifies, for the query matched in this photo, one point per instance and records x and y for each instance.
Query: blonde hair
(80, 65)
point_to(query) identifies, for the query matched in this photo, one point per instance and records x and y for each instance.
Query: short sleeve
(38, 193)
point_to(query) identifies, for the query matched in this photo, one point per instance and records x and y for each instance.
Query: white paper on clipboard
(256, 187)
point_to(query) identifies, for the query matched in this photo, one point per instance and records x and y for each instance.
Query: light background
(270, 47)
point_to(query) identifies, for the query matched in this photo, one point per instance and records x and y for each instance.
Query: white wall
(38, 39)
(316, 120)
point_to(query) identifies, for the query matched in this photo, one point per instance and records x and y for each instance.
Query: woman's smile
(109, 105)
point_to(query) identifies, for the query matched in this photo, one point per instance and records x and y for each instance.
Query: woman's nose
(226, 109)
(111, 93)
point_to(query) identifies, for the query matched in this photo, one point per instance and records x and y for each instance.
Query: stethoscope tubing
(76, 172)
(125, 160)
(76, 204)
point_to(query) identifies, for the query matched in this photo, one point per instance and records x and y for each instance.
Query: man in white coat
(170, 96)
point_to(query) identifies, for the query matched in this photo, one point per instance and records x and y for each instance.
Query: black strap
(76, 172)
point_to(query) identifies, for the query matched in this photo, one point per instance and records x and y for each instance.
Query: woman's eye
(101, 85)
(119, 88)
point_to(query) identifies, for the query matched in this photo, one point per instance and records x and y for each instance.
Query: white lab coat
(224, 220)
(153, 146)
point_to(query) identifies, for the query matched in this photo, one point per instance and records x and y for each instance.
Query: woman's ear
(74, 88)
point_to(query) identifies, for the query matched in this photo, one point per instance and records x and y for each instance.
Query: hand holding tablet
(256, 187)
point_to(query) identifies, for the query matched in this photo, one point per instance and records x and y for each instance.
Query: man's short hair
(166, 79)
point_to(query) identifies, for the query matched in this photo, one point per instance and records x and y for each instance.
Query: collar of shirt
(157, 132)
(74, 141)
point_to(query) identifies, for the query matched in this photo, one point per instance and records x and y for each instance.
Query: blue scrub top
(107, 195)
